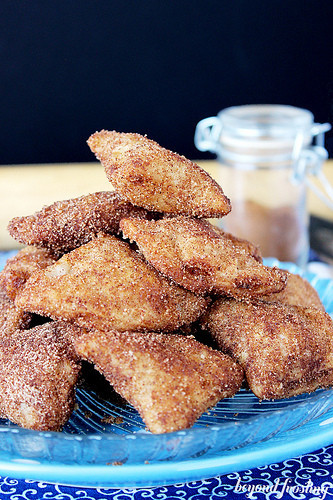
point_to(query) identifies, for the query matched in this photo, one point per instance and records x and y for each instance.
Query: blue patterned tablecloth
(307, 477)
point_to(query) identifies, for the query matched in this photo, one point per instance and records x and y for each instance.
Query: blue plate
(105, 442)
(304, 439)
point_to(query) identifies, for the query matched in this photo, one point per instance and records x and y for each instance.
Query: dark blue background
(70, 67)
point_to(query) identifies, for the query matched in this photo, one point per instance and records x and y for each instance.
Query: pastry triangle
(105, 283)
(202, 259)
(155, 178)
(170, 379)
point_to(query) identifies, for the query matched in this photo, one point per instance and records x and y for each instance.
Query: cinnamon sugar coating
(201, 258)
(248, 246)
(155, 178)
(67, 224)
(170, 379)
(298, 292)
(20, 267)
(109, 301)
(12, 317)
(106, 284)
(285, 350)
(38, 373)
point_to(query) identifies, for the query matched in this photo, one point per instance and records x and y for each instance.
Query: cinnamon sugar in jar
(265, 152)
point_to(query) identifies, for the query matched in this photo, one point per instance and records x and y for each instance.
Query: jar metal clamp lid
(269, 136)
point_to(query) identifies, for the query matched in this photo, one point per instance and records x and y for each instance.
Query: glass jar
(265, 152)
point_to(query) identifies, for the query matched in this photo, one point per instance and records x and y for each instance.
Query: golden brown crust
(201, 259)
(170, 379)
(155, 178)
(38, 372)
(12, 317)
(248, 246)
(67, 224)
(285, 350)
(106, 284)
(20, 267)
(298, 292)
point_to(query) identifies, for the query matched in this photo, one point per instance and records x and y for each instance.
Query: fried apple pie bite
(20, 267)
(170, 379)
(155, 178)
(106, 284)
(298, 292)
(285, 350)
(200, 258)
(38, 373)
(67, 224)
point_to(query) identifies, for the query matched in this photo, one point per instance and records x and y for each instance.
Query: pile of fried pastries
(175, 313)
